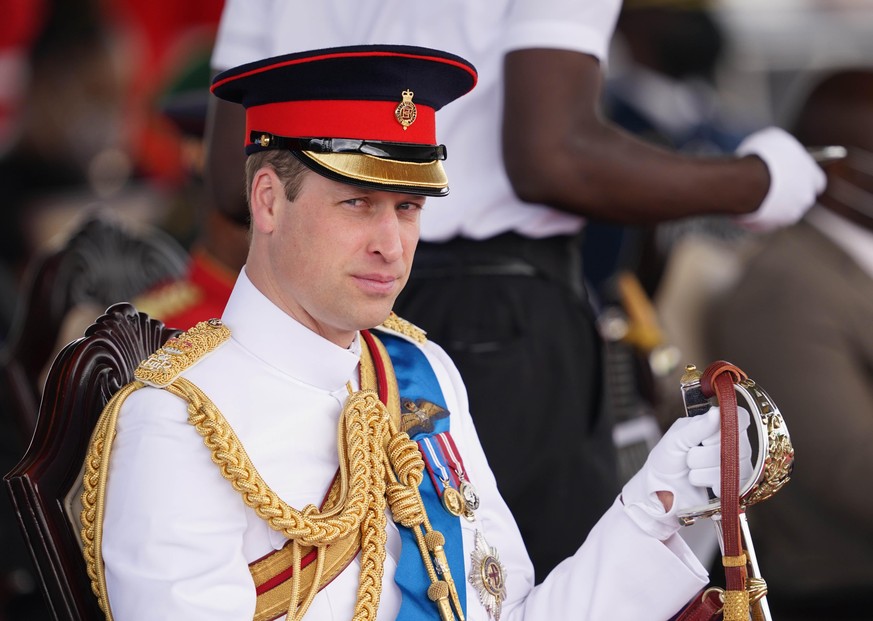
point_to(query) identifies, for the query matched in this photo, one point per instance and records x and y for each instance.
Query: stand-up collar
(270, 334)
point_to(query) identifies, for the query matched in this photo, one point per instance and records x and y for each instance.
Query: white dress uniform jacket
(178, 539)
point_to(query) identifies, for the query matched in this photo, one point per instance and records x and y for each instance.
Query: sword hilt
(775, 455)
(772, 470)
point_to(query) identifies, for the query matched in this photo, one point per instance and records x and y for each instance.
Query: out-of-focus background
(771, 48)
(84, 86)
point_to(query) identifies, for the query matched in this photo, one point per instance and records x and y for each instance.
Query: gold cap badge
(405, 111)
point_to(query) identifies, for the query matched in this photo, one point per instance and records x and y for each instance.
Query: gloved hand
(685, 461)
(795, 179)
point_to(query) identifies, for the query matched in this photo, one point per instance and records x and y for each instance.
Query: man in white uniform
(497, 277)
(217, 502)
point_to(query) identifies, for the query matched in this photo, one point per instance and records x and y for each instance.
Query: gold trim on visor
(430, 175)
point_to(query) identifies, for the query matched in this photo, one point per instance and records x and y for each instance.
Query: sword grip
(693, 399)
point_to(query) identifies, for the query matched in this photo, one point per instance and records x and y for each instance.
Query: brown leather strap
(718, 379)
(733, 603)
(706, 606)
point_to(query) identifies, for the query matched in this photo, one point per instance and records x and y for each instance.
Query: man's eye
(408, 206)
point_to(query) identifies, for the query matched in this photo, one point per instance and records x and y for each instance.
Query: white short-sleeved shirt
(481, 202)
(177, 538)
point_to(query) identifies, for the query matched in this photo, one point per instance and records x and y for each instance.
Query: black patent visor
(403, 152)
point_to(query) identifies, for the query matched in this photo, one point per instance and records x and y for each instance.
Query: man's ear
(266, 190)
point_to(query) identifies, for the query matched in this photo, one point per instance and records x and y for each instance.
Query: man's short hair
(288, 168)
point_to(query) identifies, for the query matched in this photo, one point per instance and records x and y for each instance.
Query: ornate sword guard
(775, 455)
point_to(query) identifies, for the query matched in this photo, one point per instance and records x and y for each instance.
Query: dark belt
(556, 259)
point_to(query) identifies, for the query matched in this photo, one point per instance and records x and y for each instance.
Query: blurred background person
(64, 76)
(662, 87)
(798, 321)
(79, 82)
(220, 244)
(21, 24)
(89, 132)
(69, 121)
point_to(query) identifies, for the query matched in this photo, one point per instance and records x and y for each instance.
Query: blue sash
(416, 382)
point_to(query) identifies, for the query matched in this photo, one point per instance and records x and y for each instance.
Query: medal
(471, 496)
(452, 500)
(471, 499)
(488, 576)
(466, 488)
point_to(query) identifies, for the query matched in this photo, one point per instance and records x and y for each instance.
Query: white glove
(795, 179)
(685, 462)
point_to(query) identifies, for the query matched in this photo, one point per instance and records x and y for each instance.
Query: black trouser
(512, 315)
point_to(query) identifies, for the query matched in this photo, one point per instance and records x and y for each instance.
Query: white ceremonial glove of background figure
(685, 461)
(795, 179)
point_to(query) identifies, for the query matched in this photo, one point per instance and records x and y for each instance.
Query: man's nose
(386, 238)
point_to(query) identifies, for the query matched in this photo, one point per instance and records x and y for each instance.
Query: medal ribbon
(434, 463)
(416, 380)
(451, 451)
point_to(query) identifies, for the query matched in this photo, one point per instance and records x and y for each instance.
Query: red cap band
(364, 120)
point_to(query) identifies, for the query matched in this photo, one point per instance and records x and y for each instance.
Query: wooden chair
(45, 486)
(103, 262)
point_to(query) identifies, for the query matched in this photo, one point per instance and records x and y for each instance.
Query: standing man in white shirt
(497, 278)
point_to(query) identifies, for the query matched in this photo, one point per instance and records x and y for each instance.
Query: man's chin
(375, 316)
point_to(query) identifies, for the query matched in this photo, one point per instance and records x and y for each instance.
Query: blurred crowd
(85, 91)
(102, 106)
(81, 125)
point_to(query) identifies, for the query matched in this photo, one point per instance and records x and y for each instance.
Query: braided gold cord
(406, 459)
(406, 471)
(365, 418)
(407, 467)
(404, 505)
(373, 529)
(378, 464)
(294, 611)
(314, 587)
(308, 526)
(94, 493)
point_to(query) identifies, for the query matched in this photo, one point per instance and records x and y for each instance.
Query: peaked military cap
(363, 115)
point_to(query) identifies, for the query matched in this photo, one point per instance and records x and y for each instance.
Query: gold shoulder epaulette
(406, 328)
(181, 352)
